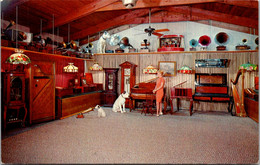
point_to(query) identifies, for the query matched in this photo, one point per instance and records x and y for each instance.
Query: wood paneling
(62, 78)
(182, 58)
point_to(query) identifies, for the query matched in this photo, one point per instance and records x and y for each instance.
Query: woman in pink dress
(159, 92)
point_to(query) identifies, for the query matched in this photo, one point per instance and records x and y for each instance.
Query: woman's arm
(161, 86)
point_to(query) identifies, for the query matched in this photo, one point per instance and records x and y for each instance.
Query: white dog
(101, 45)
(101, 112)
(120, 102)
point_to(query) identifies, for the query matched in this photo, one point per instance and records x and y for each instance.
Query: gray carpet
(206, 138)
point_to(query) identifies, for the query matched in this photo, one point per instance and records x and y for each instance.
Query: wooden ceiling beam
(217, 16)
(141, 20)
(78, 13)
(154, 3)
(118, 21)
(244, 3)
(9, 5)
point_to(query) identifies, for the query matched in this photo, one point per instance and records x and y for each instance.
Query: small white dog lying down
(101, 112)
(120, 102)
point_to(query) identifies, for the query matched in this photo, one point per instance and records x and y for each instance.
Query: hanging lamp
(96, 67)
(150, 70)
(185, 70)
(248, 66)
(71, 68)
(18, 58)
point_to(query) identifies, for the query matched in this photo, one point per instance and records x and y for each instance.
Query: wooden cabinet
(73, 104)
(111, 82)
(252, 108)
(42, 91)
(13, 98)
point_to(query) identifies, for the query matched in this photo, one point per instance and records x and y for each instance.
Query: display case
(111, 78)
(171, 43)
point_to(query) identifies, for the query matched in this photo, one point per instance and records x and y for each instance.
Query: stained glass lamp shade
(70, 68)
(185, 70)
(96, 67)
(150, 70)
(248, 66)
(18, 58)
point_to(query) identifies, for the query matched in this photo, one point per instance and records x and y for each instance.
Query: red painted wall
(61, 78)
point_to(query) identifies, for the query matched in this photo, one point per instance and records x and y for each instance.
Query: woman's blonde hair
(160, 71)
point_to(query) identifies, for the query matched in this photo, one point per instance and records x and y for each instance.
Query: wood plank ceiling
(80, 19)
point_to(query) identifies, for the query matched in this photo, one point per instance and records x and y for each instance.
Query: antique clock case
(111, 78)
(128, 75)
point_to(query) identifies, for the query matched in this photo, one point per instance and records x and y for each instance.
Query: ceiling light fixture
(129, 4)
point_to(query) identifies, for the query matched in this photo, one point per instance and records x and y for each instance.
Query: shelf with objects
(14, 38)
(47, 54)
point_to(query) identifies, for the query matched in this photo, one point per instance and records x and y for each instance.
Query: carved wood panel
(42, 91)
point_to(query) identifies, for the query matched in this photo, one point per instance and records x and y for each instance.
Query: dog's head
(97, 106)
(125, 94)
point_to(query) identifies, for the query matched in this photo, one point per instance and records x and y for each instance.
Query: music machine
(247, 105)
(178, 93)
(204, 41)
(143, 91)
(171, 43)
(221, 39)
(14, 38)
(193, 43)
(243, 46)
(212, 88)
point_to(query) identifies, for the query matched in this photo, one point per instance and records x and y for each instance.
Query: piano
(212, 88)
(144, 91)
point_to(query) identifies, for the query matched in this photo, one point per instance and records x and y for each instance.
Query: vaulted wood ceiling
(80, 19)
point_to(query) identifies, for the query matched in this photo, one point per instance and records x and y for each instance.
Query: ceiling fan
(151, 30)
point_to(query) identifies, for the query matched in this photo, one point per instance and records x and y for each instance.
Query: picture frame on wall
(169, 68)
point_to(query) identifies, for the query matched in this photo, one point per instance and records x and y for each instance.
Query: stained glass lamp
(248, 67)
(18, 58)
(150, 70)
(185, 70)
(96, 67)
(70, 68)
